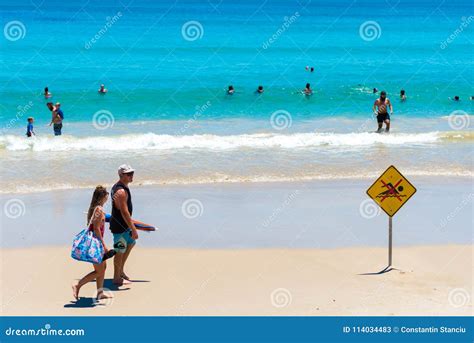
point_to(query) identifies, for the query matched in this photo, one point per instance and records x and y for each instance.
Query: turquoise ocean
(167, 64)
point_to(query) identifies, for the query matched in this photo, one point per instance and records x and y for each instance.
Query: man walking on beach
(121, 224)
(382, 115)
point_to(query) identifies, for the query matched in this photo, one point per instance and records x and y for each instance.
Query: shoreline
(429, 281)
(317, 214)
(421, 176)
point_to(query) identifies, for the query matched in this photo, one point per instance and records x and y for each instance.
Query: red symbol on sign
(392, 190)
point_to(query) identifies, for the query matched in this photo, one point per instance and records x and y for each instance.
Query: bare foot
(103, 295)
(124, 276)
(118, 282)
(75, 292)
(121, 282)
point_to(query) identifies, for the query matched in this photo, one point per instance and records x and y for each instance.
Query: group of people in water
(380, 107)
(57, 115)
(121, 226)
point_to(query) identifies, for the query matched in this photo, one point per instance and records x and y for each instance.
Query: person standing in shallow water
(56, 119)
(124, 231)
(380, 110)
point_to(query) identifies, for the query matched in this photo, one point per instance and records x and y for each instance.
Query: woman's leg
(88, 278)
(100, 270)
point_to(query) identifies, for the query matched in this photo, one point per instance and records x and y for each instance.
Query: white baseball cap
(125, 169)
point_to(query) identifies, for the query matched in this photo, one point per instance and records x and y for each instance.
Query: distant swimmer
(403, 96)
(456, 98)
(375, 90)
(382, 114)
(472, 97)
(307, 90)
(56, 119)
(259, 90)
(47, 94)
(102, 89)
(29, 127)
(230, 90)
(310, 69)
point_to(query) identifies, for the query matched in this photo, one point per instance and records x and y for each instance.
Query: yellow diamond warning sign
(391, 191)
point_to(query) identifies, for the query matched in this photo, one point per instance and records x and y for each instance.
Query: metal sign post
(389, 241)
(391, 191)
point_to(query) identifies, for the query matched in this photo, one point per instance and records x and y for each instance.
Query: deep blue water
(153, 73)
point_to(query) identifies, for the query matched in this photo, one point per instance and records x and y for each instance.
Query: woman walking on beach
(96, 220)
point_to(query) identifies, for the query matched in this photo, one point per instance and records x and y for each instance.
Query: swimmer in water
(259, 90)
(230, 90)
(375, 90)
(308, 90)
(47, 94)
(102, 89)
(403, 96)
(456, 98)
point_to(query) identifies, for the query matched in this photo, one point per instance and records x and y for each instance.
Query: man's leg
(118, 258)
(379, 129)
(125, 256)
(387, 125)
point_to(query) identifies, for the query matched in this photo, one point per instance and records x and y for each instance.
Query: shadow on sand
(383, 271)
(89, 302)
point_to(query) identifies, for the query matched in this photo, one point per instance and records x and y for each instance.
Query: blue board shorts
(381, 117)
(123, 240)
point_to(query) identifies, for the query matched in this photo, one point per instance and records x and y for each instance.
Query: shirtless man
(382, 115)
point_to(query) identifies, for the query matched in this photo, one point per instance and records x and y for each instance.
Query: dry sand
(430, 281)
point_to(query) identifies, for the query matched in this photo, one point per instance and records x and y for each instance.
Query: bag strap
(92, 217)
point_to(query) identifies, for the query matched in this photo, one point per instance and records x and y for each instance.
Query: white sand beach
(251, 249)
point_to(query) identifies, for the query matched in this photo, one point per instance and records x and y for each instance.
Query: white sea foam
(151, 141)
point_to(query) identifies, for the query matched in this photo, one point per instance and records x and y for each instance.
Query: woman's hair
(99, 193)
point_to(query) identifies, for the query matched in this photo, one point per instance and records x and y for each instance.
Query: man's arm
(53, 116)
(120, 199)
(374, 107)
(390, 106)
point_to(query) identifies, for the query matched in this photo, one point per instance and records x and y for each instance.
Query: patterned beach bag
(87, 247)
